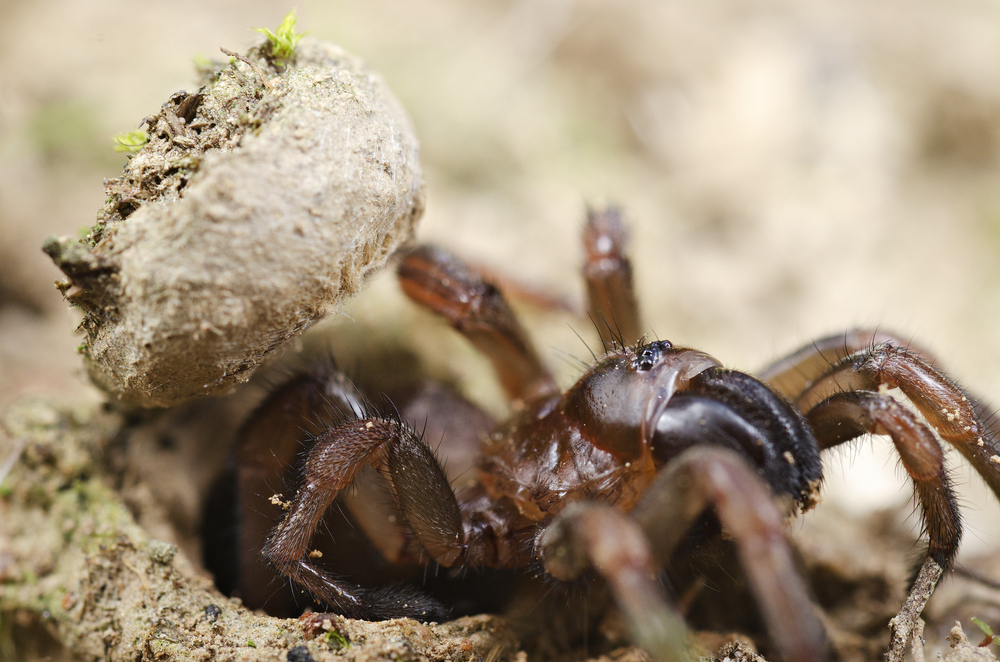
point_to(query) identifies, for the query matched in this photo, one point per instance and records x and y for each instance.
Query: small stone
(299, 654)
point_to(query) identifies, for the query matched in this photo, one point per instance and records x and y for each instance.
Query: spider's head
(618, 402)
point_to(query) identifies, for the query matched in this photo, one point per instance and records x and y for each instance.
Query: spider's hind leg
(268, 444)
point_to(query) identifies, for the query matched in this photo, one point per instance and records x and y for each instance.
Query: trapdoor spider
(612, 474)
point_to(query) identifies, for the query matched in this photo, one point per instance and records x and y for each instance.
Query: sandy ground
(789, 169)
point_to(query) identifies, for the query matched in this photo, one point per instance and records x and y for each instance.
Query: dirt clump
(258, 205)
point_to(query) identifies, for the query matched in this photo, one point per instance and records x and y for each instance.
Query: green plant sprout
(284, 41)
(336, 641)
(988, 631)
(130, 141)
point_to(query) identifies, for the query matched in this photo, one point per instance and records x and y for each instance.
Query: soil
(256, 206)
(104, 556)
(788, 170)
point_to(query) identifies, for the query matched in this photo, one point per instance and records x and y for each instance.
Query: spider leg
(476, 309)
(611, 297)
(595, 535)
(423, 495)
(955, 415)
(268, 444)
(795, 373)
(625, 550)
(846, 416)
(841, 400)
(719, 478)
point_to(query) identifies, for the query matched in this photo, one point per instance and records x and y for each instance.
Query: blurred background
(789, 169)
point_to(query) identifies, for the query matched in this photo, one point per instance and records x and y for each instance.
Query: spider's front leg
(593, 535)
(612, 303)
(864, 360)
(627, 550)
(268, 444)
(423, 495)
(846, 398)
(849, 415)
(477, 309)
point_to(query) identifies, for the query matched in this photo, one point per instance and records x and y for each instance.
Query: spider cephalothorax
(612, 474)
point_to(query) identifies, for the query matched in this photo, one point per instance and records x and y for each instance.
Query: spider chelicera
(617, 475)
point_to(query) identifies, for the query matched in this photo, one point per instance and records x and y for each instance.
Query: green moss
(284, 39)
(131, 141)
(336, 640)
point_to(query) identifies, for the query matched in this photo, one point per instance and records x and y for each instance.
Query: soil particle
(961, 649)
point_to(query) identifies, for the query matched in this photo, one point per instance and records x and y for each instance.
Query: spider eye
(647, 357)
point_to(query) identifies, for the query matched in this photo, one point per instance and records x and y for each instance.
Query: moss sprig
(284, 39)
(988, 631)
(130, 141)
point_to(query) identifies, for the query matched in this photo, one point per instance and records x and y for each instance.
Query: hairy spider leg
(831, 367)
(477, 309)
(846, 416)
(955, 415)
(627, 550)
(591, 534)
(612, 303)
(825, 393)
(268, 444)
(795, 373)
(423, 495)
(718, 478)
(288, 421)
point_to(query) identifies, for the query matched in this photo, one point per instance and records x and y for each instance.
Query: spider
(615, 476)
